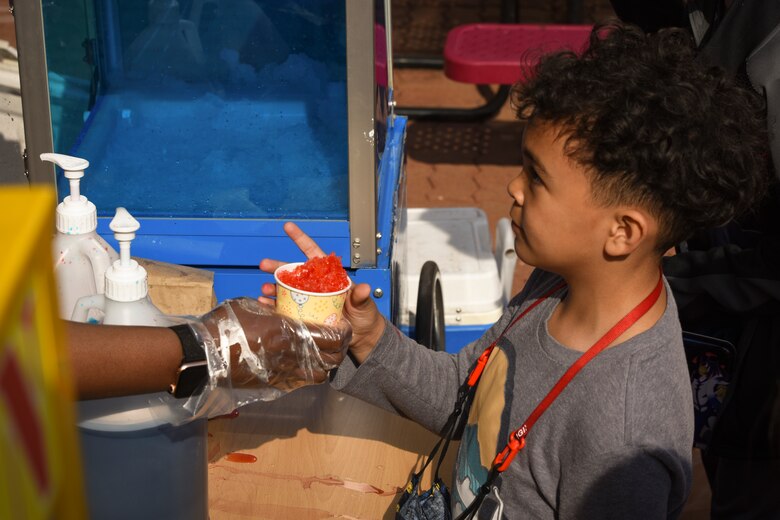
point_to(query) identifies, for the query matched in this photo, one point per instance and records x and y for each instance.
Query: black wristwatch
(193, 370)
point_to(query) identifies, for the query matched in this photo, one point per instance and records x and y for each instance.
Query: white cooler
(475, 282)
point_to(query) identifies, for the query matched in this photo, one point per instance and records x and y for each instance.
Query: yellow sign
(40, 474)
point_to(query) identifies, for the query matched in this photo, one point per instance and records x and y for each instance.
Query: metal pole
(33, 80)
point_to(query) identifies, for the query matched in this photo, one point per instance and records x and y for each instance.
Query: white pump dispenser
(126, 300)
(81, 256)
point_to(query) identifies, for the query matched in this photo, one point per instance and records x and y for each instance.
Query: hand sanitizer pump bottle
(81, 256)
(126, 299)
(136, 463)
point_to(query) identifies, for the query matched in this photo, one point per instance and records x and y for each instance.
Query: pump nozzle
(125, 280)
(124, 227)
(75, 214)
(74, 170)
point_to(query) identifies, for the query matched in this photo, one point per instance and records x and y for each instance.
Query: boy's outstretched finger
(303, 241)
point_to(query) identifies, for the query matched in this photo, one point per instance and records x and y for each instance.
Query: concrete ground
(470, 164)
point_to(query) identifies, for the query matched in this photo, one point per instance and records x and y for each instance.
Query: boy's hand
(359, 310)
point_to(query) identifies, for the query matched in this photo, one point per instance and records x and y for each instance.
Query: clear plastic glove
(255, 354)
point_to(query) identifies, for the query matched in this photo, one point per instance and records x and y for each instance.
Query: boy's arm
(399, 375)
(406, 378)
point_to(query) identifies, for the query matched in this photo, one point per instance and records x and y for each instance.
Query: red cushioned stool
(485, 54)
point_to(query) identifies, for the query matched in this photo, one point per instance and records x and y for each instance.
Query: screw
(378, 236)
(356, 243)
(379, 250)
(457, 318)
(458, 310)
(378, 293)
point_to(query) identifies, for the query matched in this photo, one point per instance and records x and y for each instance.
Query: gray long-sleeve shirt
(615, 444)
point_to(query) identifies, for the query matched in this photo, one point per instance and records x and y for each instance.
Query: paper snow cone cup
(326, 308)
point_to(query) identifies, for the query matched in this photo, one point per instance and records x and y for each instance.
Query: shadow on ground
(493, 142)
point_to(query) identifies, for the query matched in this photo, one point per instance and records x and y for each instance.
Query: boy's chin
(524, 256)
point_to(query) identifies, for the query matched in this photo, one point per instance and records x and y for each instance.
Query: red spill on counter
(244, 458)
(231, 415)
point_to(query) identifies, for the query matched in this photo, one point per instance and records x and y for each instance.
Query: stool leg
(480, 113)
(404, 61)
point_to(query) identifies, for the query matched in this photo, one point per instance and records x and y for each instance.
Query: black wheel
(429, 322)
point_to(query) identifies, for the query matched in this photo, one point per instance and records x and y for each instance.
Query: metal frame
(34, 87)
(361, 132)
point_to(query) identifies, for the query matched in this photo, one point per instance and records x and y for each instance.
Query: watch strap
(193, 369)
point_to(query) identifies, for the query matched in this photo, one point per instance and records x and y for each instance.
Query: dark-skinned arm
(111, 360)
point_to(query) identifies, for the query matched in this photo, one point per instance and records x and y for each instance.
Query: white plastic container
(81, 256)
(458, 240)
(137, 464)
(126, 299)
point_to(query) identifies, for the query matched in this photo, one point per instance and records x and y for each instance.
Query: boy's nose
(515, 189)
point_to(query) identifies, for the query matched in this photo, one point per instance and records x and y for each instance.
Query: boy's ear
(628, 229)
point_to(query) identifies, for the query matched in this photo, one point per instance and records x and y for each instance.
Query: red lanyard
(517, 438)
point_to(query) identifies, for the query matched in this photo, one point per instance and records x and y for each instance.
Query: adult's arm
(247, 346)
(110, 360)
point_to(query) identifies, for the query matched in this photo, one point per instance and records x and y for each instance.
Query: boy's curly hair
(654, 127)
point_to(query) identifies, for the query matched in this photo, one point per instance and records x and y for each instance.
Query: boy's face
(557, 225)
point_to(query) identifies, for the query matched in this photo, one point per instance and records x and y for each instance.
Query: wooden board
(315, 453)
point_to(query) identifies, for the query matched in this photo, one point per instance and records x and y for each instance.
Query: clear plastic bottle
(81, 256)
(136, 463)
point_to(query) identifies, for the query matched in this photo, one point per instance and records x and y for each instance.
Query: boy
(628, 149)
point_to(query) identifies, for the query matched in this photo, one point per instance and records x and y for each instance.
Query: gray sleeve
(642, 483)
(409, 379)
(406, 378)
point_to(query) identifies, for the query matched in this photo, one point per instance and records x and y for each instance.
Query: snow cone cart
(214, 122)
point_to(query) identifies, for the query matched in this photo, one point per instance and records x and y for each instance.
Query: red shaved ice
(317, 275)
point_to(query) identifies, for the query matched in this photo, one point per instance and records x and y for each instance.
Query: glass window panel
(203, 108)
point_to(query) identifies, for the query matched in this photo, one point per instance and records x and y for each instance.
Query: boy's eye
(532, 175)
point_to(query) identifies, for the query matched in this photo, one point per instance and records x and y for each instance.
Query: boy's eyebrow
(529, 155)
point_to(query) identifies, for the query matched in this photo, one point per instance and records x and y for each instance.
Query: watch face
(192, 376)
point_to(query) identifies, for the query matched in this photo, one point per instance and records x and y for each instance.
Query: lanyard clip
(515, 444)
(480, 366)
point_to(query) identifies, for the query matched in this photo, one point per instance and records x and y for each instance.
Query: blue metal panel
(234, 243)
(390, 177)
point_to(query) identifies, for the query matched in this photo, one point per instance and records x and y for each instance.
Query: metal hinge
(26, 165)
